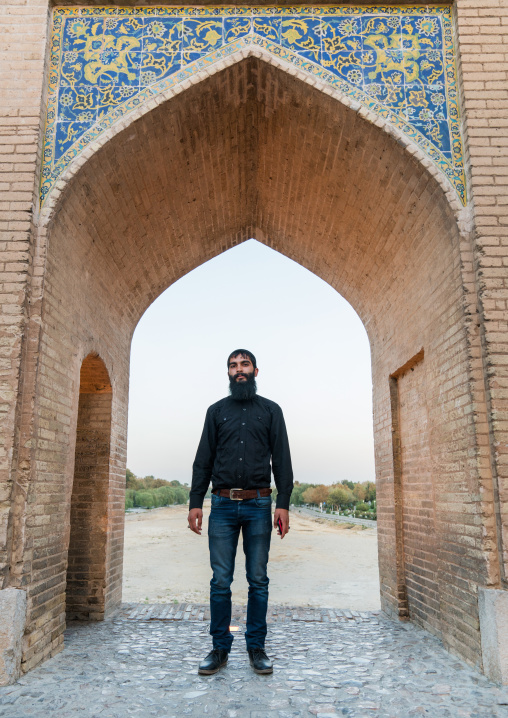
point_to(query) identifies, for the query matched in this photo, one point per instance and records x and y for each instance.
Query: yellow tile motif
(397, 61)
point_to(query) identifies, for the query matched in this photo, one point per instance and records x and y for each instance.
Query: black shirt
(238, 440)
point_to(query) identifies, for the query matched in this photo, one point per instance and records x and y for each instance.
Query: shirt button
(245, 409)
(241, 442)
(239, 459)
(243, 423)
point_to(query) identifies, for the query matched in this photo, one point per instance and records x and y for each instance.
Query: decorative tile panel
(398, 62)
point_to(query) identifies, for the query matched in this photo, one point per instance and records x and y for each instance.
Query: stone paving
(358, 665)
(201, 612)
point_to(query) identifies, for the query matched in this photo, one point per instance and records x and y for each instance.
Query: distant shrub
(181, 496)
(165, 495)
(362, 506)
(150, 492)
(145, 499)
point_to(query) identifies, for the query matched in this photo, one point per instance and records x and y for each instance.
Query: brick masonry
(86, 564)
(254, 152)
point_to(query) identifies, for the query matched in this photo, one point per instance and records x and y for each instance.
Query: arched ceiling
(251, 152)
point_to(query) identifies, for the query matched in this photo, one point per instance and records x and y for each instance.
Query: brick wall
(72, 330)
(418, 499)
(23, 27)
(482, 29)
(254, 152)
(86, 568)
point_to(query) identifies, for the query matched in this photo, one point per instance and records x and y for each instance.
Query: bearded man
(242, 433)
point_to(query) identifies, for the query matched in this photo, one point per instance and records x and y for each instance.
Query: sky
(312, 353)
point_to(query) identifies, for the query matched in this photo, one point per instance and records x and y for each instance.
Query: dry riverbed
(319, 563)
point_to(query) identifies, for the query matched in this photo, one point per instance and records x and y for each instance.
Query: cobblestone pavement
(201, 612)
(358, 666)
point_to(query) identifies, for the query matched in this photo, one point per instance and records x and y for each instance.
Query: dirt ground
(319, 563)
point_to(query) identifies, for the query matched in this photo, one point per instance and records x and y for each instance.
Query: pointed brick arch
(254, 152)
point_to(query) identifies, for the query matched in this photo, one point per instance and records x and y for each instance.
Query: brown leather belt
(241, 494)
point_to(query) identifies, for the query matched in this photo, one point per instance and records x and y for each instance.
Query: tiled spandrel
(399, 62)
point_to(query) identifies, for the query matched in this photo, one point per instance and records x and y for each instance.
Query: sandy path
(317, 564)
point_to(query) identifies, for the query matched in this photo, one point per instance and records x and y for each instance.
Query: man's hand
(195, 519)
(283, 515)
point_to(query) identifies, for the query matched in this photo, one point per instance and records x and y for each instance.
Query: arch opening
(298, 328)
(86, 565)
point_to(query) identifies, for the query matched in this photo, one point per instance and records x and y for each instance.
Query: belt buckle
(231, 494)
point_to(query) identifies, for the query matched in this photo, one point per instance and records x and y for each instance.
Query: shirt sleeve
(281, 460)
(203, 463)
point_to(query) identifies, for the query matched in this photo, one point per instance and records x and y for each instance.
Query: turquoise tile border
(396, 61)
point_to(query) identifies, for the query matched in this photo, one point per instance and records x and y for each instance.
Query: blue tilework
(68, 132)
(268, 27)
(397, 61)
(302, 35)
(200, 37)
(424, 33)
(235, 27)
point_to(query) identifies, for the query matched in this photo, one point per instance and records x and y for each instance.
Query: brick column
(23, 30)
(483, 40)
(482, 28)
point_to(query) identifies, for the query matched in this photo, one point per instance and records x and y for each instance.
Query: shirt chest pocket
(228, 431)
(224, 424)
(261, 427)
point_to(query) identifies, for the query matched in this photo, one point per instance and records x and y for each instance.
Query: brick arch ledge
(462, 214)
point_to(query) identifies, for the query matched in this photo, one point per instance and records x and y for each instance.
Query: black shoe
(214, 660)
(260, 661)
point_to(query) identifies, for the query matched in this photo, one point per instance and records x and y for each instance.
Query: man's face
(240, 368)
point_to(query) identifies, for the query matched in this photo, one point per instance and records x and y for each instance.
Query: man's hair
(244, 353)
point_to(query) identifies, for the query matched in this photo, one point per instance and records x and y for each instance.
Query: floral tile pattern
(398, 61)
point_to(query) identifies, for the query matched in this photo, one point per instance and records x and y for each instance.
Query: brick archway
(87, 586)
(254, 152)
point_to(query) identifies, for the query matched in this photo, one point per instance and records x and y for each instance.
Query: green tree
(131, 481)
(370, 491)
(129, 498)
(164, 495)
(360, 492)
(181, 495)
(298, 491)
(316, 495)
(341, 495)
(145, 499)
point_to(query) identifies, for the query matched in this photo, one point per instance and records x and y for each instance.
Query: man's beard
(243, 390)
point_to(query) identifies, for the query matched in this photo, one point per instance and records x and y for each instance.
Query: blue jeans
(254, 517)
